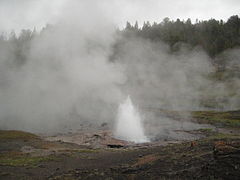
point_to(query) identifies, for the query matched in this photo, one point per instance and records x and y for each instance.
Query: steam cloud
(68, 75)
(129, 123)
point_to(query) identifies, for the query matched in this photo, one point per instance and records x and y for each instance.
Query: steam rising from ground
(129, 123)
(65, 78)
(72, 73)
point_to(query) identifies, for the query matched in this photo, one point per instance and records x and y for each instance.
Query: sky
(23, 14)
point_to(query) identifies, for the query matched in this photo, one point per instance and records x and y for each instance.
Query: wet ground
(209, 153)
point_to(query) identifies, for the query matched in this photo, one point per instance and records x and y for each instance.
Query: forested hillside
(214, 36)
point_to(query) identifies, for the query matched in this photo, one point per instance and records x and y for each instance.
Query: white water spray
(129, 124)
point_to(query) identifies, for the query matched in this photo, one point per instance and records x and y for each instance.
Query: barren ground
(215, 154)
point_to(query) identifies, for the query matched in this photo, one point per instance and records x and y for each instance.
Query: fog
(72, 73)
(17, 15)
(66, 75)
(160, 79)
(177, 81)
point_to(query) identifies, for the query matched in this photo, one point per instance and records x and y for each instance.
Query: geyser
(129, 123)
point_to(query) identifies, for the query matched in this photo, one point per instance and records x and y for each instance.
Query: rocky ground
(215, 154)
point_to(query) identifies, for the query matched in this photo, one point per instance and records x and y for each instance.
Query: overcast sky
(19, 14)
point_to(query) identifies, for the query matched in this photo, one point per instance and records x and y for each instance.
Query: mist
(73, 72)
(177, 81)
(65, 75)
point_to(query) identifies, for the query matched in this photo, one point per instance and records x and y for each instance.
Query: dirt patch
(97, 139)
(146, 159)
(27, 156)
(212, 157)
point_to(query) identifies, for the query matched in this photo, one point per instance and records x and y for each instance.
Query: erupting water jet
(129, 123)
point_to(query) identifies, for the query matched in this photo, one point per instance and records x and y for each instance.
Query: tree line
(214, 36)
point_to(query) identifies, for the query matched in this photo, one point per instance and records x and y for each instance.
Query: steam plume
(129, 123)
